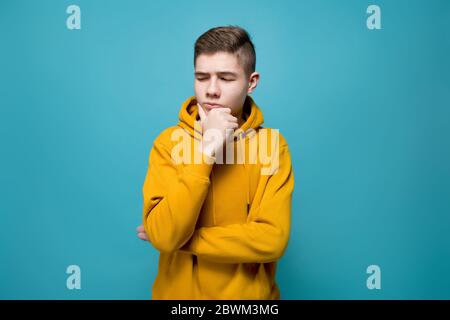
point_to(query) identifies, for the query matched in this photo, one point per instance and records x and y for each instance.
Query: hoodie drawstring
(242, 135)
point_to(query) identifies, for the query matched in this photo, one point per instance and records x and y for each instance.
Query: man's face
(220, 81)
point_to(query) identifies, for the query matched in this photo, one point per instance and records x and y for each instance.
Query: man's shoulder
(165, 137)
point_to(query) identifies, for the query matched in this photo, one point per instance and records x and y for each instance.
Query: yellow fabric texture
(220, 228)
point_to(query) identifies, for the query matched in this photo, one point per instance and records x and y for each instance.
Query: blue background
(365, 112)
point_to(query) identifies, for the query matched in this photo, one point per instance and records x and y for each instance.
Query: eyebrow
(220, 73)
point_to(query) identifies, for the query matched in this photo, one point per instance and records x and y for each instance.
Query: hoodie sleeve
(173, 197)
(265, 236)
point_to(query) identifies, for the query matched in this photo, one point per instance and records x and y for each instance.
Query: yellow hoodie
(220, 228)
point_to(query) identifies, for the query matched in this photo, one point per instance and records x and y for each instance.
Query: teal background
(365, 112)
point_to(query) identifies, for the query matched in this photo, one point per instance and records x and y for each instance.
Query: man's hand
(219, 119)
(141, 233)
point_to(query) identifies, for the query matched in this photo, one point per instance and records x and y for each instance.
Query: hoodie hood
(251, 114)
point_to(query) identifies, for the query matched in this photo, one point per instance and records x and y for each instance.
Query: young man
(220, 223)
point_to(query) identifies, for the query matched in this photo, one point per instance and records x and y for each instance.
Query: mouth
(210, 106)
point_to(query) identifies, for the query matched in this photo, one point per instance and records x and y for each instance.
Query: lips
(210, 106)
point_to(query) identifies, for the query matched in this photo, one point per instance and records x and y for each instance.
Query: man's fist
(220, 124)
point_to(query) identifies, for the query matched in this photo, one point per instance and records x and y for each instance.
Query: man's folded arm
(173, 196)
(264, 237)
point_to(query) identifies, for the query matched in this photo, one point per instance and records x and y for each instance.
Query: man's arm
(173, 198)
(265, 235)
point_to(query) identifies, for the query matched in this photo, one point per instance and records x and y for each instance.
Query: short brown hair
(231, 39)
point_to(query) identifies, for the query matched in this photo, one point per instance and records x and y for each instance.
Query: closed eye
(224, 79)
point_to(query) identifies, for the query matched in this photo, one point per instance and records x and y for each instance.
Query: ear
(253, 82)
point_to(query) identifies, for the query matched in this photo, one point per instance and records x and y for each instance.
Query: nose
(213, 90)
